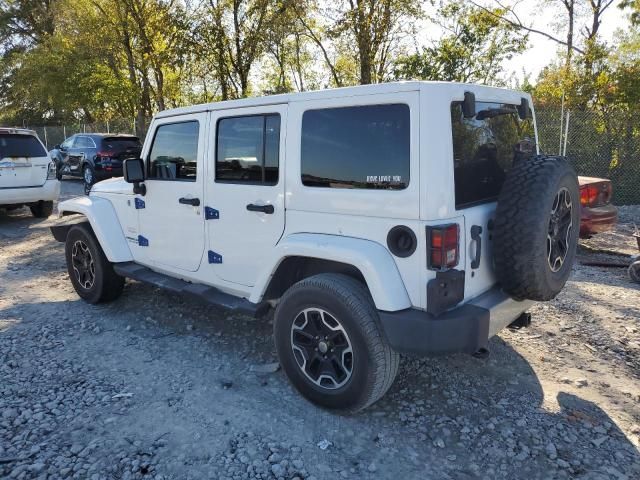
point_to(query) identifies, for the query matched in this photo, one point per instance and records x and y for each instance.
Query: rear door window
(248, 149)
(16, 145)
(366, 147)
(485, 147)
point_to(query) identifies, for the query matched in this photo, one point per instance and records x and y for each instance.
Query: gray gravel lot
(155, 386)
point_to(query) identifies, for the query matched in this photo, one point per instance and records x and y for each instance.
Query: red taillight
(588, 195)
(105, 154)
(443, 246)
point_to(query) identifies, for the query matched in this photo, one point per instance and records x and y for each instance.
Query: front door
(245, 190)
(74, 154)
(171, 222)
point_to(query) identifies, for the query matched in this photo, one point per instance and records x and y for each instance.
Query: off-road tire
(522, 224)
(107, 285)
(634, 271)
(375, 364)
(42, 209)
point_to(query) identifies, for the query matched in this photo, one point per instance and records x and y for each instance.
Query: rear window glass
(16, 145)
(356, 147)
(484, 149)
(119, 143)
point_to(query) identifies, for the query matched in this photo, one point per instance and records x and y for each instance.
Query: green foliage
(634, 6)
(474, 44)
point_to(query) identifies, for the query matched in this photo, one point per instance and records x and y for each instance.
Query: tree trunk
(570, 4)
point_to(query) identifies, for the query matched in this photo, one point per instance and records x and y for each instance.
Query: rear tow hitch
(523, 321)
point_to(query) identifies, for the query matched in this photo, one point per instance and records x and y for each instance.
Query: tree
(634, 6)
(289, 61)
(26, 22)
(472, 49)
(237, 31)
(511, 17)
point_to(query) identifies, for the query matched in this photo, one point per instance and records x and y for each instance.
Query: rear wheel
(329, 343)
(42, 209)
(91, 274)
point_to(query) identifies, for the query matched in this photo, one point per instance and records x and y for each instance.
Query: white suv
(377, 220)
(27, 174)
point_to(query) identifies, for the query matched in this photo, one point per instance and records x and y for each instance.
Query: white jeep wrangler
(377, 220)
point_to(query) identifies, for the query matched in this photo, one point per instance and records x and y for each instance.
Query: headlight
(51, 173)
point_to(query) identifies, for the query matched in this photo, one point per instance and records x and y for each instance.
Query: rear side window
(84, 142)
(174, 152)
(356, 147)
(248, 149)
(484, 149)
(16, 145)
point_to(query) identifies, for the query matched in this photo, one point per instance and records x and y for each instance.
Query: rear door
(245, 190)
(23, 161)
(484, 149)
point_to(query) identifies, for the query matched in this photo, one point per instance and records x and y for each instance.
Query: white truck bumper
(20, 195)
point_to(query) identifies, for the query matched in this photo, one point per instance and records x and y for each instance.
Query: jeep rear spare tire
(536, 228)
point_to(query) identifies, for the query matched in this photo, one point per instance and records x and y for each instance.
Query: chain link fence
(598, 144)
(52, 135)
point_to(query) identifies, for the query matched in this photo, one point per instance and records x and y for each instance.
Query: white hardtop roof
(497, 94)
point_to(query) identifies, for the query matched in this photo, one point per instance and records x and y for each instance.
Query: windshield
(485, 147)
(18, 145)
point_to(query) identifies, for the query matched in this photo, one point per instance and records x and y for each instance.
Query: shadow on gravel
(454, 417)
(491, 418)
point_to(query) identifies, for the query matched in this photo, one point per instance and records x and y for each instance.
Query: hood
(113, 185)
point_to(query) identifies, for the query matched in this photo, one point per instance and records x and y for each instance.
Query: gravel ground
(153, 386)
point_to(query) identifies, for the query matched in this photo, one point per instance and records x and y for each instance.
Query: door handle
(268, 209)
(195, 202)
(476, 230)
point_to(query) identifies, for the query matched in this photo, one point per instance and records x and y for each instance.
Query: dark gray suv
(94, 156)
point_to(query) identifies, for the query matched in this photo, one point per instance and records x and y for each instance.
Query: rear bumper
(50, 190)
(464, 329)
(597, 219)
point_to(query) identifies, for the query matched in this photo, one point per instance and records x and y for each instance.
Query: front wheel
(91, 274)
(634, 271)
(329, 343)
(89, 178)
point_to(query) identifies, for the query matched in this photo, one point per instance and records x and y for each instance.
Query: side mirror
(469, 105)
(56, 147)
(133, 170)
(523, 109)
